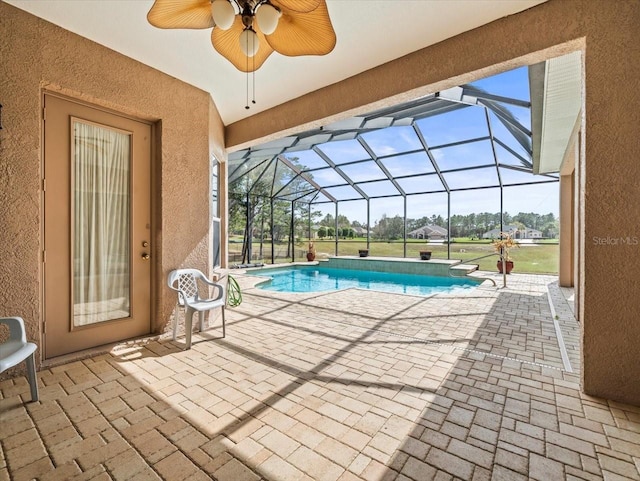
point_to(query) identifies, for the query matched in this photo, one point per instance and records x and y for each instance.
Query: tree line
(470, 225)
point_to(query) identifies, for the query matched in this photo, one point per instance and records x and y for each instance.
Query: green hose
(234, 296)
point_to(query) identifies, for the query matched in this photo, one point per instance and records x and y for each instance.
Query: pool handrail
(481, 257)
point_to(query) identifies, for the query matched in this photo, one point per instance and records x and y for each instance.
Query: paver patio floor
(352, 385)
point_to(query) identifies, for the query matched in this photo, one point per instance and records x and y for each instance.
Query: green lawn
(531, 258)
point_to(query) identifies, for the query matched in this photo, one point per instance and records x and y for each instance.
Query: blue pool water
(318, 279)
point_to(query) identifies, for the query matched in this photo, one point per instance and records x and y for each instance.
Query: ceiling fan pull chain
(246, 106)
(254, 81)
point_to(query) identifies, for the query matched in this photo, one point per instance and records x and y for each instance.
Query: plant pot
(363, 252)
(425, 255)
(507, 264)
(310, 256)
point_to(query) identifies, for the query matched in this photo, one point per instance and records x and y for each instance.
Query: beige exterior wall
(610, 206)
(568, 202)
(37, 55)
(567, 238)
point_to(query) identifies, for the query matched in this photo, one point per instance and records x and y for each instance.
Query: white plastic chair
(185, 282)
(16, 349)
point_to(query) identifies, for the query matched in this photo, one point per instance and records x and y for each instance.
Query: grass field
(531, 258)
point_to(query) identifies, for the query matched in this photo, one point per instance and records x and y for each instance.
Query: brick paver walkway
(352, 385)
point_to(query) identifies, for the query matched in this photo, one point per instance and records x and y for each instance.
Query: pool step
(433, 267)
(463, 269)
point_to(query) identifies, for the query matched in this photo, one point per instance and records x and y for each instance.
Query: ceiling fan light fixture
(268, 16)
(247, 32)
(249, 42)
(223, 13)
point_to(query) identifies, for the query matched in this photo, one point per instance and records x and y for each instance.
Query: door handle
(145, 256)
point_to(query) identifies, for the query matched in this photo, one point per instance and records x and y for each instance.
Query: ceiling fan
(246, 32)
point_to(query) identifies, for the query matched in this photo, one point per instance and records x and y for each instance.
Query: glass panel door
(101, 209)
(98, 235)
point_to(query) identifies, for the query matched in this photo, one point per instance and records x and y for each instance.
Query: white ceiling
(369, 33)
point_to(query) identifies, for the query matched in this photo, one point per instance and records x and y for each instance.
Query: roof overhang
(556, 102)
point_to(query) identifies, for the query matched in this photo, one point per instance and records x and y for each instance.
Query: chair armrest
(218, 285)
(209, 281)
(220, 289)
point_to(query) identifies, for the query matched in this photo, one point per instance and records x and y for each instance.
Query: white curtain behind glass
(101, 224)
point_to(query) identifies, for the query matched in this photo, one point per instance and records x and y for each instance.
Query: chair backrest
(15, 348)
(185, 281)
(17, 332)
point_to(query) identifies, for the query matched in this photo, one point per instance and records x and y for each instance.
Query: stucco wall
(568, 203)
(610, 199)
(37, 55)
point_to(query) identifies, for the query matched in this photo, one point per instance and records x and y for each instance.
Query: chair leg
(175, 321)
(223, 323)
(188, 321)
(33, 379)
(201, 319)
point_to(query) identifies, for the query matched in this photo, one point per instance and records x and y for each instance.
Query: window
(215, 214)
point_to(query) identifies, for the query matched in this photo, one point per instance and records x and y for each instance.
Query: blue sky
(454, 126)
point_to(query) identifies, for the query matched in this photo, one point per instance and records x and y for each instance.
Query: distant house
(360, 231)
(532, 234)
(495, 233)
(432, 232)
(515, 231)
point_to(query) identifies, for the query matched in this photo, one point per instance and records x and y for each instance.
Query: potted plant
(363, 252)
(425, 255)
(502, 246)
(311, 252)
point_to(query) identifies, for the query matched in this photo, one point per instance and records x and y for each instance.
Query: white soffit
(561, 104)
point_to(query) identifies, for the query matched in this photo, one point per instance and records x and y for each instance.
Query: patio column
(249, 230)
(567, 243)
(404, 228)
(293, 231)
(368, 222)
(449, 225)
(501, 208)
(336, 227)
(273, 249)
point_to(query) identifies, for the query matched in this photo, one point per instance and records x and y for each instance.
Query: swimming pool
(319, 279)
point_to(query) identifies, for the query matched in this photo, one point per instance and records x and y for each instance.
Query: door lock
(145, 256)
(145, 244)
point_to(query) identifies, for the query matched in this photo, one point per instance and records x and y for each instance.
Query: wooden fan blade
(181, 14)
(308, 33)
(227, 44)
(300, 6)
